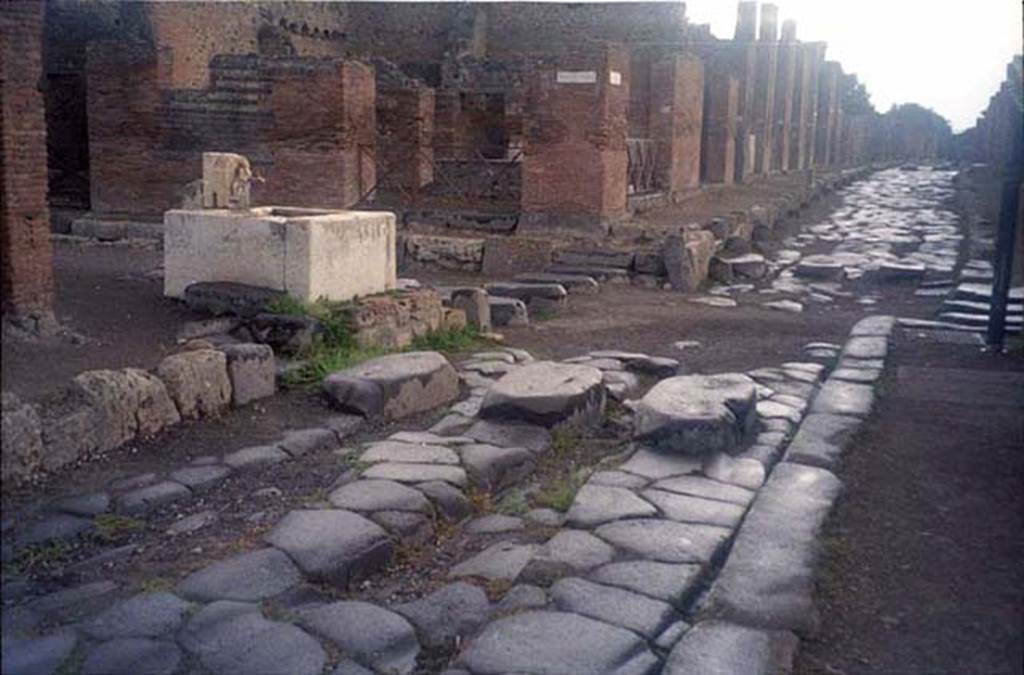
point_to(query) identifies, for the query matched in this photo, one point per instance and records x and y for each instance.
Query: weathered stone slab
(91, 504)
(332, 545)
(527, 292)
(618, 479)
(379, 495)
(449, 500)
(671, 583)
(474, 302)
(548, 394)
(58, 527)
(247, 577)
(133, 656)
(200, 478)
(451, 612)
(688, 509)
(725, 468)
(574, 284)
(729, 269)
(556, 643)
(613, 605)
(511, 435)
(820, 267)
(152, 497)
(596, 504)
(33, 655)
(665, 541)
(22, 439)
(768, 579)
(874, 325)
(502, 561)
(867, 347)
(508, 312)
(721, 648)
(422, 453)
(773, 408)
(568, 552)
(821, 440)
(394, 386)
(197, 381)
(493, 467)
(699, 486)
(255, 457)
(655, 465)
(252, 370)
(697, 414)
(495, 523)
(401, 472)
(371, 635)
(301, 441)
(844, 398)
(130, 402)
(144, 615)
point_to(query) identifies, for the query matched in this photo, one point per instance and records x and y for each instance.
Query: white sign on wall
(615, 77)
(576, 77)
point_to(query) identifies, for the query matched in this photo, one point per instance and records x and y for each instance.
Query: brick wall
(405, 125)
(26, 275)
(677, 118)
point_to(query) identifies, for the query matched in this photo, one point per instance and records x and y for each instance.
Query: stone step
(580, 284)
(983, 292)
(602, 274)
(530, 293)
(508, 311)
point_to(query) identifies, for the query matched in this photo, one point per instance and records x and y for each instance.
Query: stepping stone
(332, 545)
(143, 615)
(546, 517)
(501, 561)
(378, 495)
(428, 438)
(84, 505)
(722, 647)
(613, 605)
(768, 579)
(152, 497)
(255, 457)
(527, 292)
(654, 465)
(687, 509)
(844, 398)
(698, 486)
(488, 368)
(713, 301)
(247, 577)
(369, 634)
(819, 267)
(866, 348)
(668, 582)
(252, 371)
(821, 440)
(596, 504)
(900, 270)
(493, 467)
(391, 451)
(697, 414)
(749, 266)
(556, 643)
(508, 312)
(503, 357)
(618, 479)
(790, 306)
(133, 656)
(574, 284)
(774, 409)
(860, 375)
(302, 441)
(394, 386)
(725, 468)
(665, 541)
(495, 523)
(417, 473)
(200, 478)
(449, 500)
(413, 528)
(449, 613)
(547, 394)
(234, 639)
(43, 654)
(568, 552)
(511, 435)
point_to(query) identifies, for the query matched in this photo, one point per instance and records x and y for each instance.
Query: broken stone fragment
(394, 386)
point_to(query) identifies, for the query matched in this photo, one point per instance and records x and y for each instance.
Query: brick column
(764, 87)
(828, 92)
(27, 274)
(676, 119)
(814, 56)
(574, 160)
(405, 124)
(785, 86)
(718, 147)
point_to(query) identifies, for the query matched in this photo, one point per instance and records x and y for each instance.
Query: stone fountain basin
(308, 253)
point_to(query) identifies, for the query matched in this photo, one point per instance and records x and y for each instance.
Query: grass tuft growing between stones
(559, 493)
(112, 527)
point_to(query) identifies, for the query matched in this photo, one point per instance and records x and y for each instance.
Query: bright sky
(947, 55)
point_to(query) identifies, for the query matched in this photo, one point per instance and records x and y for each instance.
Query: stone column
(741, 54)
(718, 147)
(676, 119)
(785, 86)
(816, 58)
(26, 273)
(828, 93)
(574, 157)
(764, 88)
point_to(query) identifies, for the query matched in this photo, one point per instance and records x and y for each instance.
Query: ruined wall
(26, 276)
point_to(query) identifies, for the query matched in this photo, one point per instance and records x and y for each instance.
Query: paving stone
(411, 528)
(568, 552)
(332, 545)
(665, 541)
(494, 523)
(246, 577)
(547, 394)
(89, 597)
(234, 639)
(796, 402)
(371, 635)
(192, 523)
(344, 426)
(556, 643)
(768, 579)
(507, 312)
(449, 500)
(501, 561)
(152, 497)
(452, 424)
(451, 612)
(621, 385)
(255, 457)
(859, 375)
(302, 441)
(133, 656)
(574, 284)
(378, 495)
(428, 438)
(197, 381)
(415, 473)
(721, 648)
(200, 478)
(688, 509)
(713, 301)
(699, 486)
(488, 368)
(821, 440)
(394, 386)
(596, 504)
(88, 505)
(874, 325)
(493, 467)
(844, 398)
(143, 615)
(511, 435)
(18, 621)
(520, 597)
(37, 655)
(391, 451)
(612, 605)
(654, 465)
(671, 583)
(618, 479)
(58, 527)
(789, 306)
(866, 347)
(819, 267)
(347, 667)
(772, 408)
(697, 414)
(745, 473)
(671, 635)
(252, 371)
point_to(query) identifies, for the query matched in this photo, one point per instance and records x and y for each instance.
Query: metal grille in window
(641, 164)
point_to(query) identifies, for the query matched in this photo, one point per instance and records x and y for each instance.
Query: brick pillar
(27, 273)
(815, 56)
(718, 147)
(764, 87)
(574, 157)
(785, 86)
(676, 114)
(405, 123)
(828, 92)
